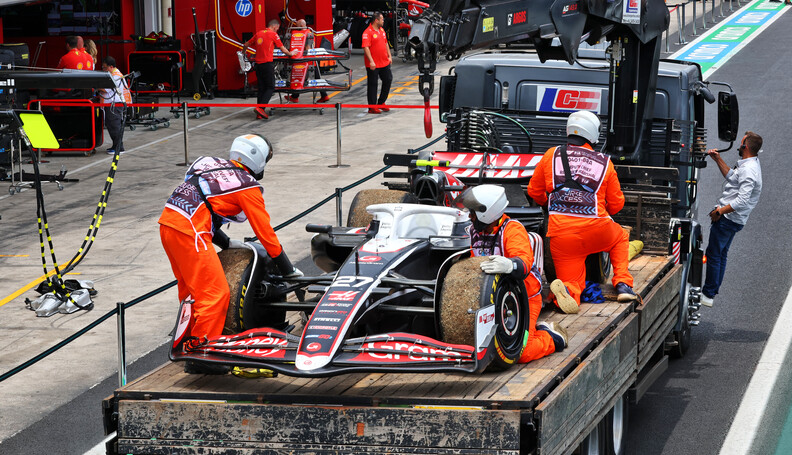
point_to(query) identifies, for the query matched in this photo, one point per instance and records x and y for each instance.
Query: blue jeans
(721, 235)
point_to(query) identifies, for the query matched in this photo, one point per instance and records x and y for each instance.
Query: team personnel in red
(75, 58)
(263, 44)
(217, 191)
(581, 190)
(508, 246)
(377, 57)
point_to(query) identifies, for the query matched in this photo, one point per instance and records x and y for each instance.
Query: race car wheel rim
(509, 320)
(510, 314)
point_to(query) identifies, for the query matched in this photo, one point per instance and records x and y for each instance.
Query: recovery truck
(503, 110)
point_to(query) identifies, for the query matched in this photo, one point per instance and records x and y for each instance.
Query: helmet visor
(467, 200)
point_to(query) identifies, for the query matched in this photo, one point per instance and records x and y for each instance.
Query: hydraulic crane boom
(633, 27)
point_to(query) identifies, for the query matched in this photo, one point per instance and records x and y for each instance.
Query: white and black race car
(402, 294)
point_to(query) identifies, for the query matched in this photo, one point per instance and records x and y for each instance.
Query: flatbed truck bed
(547, 406)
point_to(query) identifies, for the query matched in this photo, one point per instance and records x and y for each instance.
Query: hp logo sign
(243, 8)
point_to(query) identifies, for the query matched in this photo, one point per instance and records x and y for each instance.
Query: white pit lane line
(748, 419)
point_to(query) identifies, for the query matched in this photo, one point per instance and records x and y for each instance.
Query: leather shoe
(374, 110)
(383, 108)
(261, 113)
(323, 99)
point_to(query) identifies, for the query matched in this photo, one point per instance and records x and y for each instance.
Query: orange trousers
(569, 253)
(200, 275)
(538, 343)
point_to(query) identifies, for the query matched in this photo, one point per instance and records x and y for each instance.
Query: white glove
(497, 264)
(234, 243)
(296, 273)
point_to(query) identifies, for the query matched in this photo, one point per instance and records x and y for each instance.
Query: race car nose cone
(306, 363)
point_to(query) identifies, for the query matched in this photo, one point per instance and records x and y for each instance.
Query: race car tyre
(238, 265)
(466, 289)
(358, 216)
(598, 267)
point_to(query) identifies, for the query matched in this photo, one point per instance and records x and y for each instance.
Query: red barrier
(252, 105)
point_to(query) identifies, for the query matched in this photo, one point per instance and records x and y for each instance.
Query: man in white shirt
(740, 195)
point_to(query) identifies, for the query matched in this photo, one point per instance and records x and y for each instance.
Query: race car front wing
(394, 352)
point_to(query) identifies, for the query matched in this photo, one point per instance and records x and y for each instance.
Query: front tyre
(465, 290)
(244, 310)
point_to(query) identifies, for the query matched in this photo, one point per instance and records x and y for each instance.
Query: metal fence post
(338, 138)
(694, 19)
(720, 14)
(668, 49)
(339, 215)
(703, 15)
(184, 114)
(122, 374)
(713, 11)
(679, 30)
(731, 6)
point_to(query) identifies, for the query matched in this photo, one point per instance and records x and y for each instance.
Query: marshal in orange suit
(581, 191)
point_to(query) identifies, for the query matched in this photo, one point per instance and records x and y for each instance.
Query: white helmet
(252, 150)
(487, 201)
(584, 124)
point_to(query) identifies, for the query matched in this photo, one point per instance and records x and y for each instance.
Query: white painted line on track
(749, 415)
(109, 157)
(732, 17)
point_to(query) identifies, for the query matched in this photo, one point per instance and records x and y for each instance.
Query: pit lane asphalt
(689, 410)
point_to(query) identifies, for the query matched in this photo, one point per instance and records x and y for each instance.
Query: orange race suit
(188, 225)
(510, 239)
(580, 209)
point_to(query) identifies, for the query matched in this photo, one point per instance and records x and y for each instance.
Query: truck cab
(540, 96)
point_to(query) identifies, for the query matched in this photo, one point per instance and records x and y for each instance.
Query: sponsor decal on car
(408, 351)
(369, 259)
(342, 305)
(342, 296)
(324, 327)
(275, 351)
(326, 319)
(313, 347)
(485, 324)
(333, 311)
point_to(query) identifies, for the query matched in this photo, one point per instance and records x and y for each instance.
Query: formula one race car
(402, 294)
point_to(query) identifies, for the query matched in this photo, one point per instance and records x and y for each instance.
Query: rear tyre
(244, 311)
(615, 427)
(465, 290)
(598, 267)
(359, 217)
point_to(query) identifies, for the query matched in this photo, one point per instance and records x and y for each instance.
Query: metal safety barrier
(682, 19)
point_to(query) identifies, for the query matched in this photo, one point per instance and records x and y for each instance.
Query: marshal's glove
(234, 243)
(497, 264)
